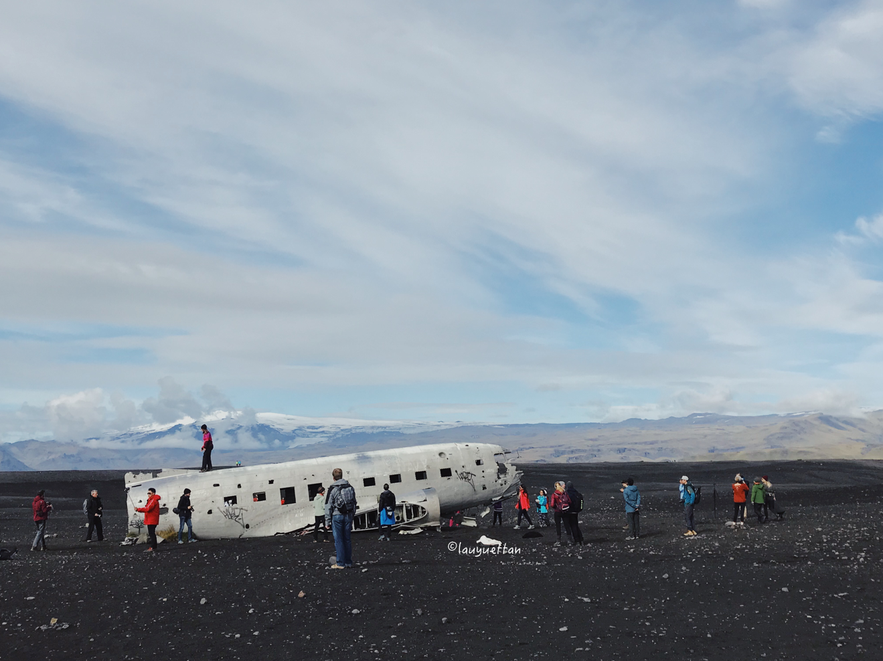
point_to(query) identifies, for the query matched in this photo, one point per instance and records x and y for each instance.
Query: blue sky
(499, 212)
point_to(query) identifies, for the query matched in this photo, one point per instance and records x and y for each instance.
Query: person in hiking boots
(522, 504)
(632, 498)
(185, 517)
(689, 493)
(758, 498)
(576, 506)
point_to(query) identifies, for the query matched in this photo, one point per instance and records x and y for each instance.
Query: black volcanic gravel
(806, 588)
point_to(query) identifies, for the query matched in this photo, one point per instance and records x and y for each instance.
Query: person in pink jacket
(151, 518)
(207, 446)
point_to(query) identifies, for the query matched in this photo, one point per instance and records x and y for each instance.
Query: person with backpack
(184, 510)
(632, 498)
(207, 447)
(689, 502)
(340, 508)
(576, 506)
(758, 499)
(522, 504)
(387, 506)
(93, 509)
(41, 508)
(560, 506)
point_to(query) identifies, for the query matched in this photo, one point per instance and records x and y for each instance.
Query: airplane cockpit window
(445, 472)
(395, 478)
(368, 482)
(286, 495)
(420, 475)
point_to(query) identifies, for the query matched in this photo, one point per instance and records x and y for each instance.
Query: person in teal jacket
(632, 498)
(689, 500)
(542, 503)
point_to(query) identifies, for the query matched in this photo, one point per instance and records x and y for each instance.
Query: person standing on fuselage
(207, 446)
(151, 518)
(94, 510)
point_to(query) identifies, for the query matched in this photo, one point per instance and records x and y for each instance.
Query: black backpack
(698, 492)
(576, 501)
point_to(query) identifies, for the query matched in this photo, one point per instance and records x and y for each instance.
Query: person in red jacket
(207, 446)
(41, 516)
(151, 518)
(522, 504)
(740, 496)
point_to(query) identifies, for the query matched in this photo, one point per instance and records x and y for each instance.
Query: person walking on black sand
(151, 518)
(740, 495)
(522, 504)
(207, 446)
(340, 507)
(498, 513)
(758, 499)
(632, 498)
(576, 506)
(387, 507)
(689, 501)
(41, 508)
(319, 515)
(769, 498)
(185, 514)
(560, 505)
(94, 510)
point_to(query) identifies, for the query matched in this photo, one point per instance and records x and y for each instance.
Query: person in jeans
(340, 508)
(319, 516)
(185, 513)
(632, 498)
(41, 508)
(151, 518)
(94, 510)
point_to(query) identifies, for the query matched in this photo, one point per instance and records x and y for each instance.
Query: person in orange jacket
(740, 497)
(151, 517)
(522, 504)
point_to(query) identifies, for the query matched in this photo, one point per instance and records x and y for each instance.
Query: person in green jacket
(758, 498)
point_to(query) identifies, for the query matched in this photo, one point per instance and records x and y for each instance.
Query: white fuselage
(269, 499)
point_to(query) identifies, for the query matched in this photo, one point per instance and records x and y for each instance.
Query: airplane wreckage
(429, 481)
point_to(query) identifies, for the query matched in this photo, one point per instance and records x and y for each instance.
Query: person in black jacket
(94, 510)
(185, 511)
(573, 513)
(387, 508)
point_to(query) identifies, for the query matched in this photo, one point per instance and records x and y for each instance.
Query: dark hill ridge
(699, 437)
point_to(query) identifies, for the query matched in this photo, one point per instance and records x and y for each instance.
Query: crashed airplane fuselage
(429, 481)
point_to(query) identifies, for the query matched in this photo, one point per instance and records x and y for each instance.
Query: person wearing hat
(758, 498)
(740, 496)
(689, 493)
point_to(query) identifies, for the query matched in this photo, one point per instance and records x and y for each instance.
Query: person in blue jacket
(689, 500)
(632, 498)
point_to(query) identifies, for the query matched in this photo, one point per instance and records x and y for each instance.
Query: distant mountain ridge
(269, 437)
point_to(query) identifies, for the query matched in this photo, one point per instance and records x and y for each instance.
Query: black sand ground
(806, 588)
